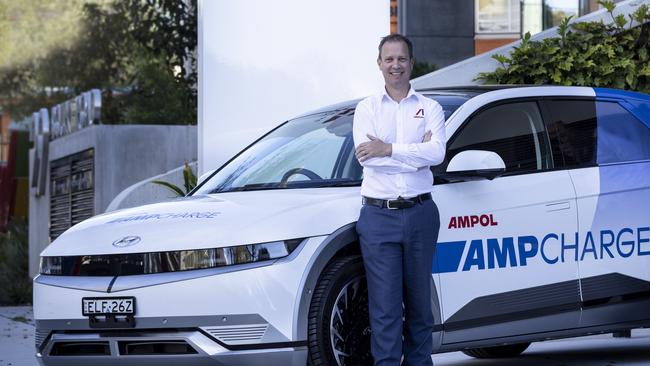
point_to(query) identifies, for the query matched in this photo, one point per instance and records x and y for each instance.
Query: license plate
(108, 306)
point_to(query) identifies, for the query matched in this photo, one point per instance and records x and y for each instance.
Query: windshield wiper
(347, 183)
(255, 187)
(293, 185)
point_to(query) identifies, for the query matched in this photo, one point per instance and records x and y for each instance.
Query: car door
(608, 152)
(504, 263)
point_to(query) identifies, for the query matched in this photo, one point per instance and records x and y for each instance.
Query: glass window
(497, 16)
(449, 103)
(532, 14)
(311, 151)
(621, 136)
(556, 10)
(572, 128)
(515, 131)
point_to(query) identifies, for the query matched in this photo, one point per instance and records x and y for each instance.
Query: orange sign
(393, 16)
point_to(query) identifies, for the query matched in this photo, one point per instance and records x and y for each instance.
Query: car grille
(81, 349)
(39, 338)
(235, 335)
(125, 348)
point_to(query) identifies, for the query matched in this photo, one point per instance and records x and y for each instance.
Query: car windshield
(310, 151)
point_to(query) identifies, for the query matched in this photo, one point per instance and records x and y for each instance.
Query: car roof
(458, 95)
(469, 90)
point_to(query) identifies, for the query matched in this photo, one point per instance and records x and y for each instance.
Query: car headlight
(161, 262)
(50, 265)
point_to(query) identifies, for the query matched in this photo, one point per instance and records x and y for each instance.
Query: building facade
(445, 32)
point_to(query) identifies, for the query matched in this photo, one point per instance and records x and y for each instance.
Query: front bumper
(244, 315)
(186, 348)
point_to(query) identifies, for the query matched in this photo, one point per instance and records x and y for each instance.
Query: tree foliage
(589, 53)
(422, 68)
(167, 28)
(140, 53)
(31, 28)
(15, 283)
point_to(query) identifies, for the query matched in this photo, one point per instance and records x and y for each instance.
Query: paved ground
(17, 348)
(601, 350)
(17, 336)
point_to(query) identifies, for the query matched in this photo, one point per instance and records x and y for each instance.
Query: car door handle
(558, 206)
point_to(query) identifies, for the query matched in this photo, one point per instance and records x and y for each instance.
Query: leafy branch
(189, 182)
(588, 53)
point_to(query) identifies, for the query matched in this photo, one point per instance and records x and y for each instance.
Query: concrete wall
(262, 62)
(39, 220)
(442, 31)
(124, 155)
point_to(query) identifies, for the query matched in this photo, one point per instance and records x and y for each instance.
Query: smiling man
(398, 134)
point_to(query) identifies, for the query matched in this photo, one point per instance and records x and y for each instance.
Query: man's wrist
(389, 150)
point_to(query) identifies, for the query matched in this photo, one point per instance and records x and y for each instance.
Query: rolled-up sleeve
(363, 126)
(425, 154)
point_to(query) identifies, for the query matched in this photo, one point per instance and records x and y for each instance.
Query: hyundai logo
(126, 241)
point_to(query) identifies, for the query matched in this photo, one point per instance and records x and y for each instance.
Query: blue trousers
(397, 248)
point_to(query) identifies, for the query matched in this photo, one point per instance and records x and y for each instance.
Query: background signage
(72, 115)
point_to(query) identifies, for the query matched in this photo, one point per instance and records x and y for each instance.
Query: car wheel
(510, 350)
(338, 326)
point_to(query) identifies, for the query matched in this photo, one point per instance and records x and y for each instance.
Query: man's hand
(427, 136)
(375, 148)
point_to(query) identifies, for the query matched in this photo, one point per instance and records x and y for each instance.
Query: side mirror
(204, 176)
(474, 165)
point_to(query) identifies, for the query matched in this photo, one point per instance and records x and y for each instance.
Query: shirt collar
(384, 94)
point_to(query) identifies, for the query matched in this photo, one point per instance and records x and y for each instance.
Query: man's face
(395, 64)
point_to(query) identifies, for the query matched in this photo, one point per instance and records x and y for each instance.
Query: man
(398, 135)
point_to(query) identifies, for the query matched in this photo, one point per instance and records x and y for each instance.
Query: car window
(514, 131)
(449, 103)
(572, 128)
(316, 150)
(621, 136)
(311, 151)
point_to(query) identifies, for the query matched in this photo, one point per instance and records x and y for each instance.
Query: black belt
(398, 203)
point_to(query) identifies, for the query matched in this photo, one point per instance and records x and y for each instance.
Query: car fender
(322, 256)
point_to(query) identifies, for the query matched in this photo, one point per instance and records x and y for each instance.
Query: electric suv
(544, 200)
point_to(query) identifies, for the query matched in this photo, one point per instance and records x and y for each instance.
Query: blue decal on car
(447, 257)
(523, 250)
(636, 103)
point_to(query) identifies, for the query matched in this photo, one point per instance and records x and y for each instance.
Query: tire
(510, 350)
(342, 286)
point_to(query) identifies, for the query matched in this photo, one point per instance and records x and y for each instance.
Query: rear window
(586, 133)
(572, 128)
(621, 136)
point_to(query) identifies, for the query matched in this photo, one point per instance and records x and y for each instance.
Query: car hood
(212, 221)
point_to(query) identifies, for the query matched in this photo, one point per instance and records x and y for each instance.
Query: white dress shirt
(406, 172)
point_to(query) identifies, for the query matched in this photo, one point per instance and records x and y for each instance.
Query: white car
(544, 201)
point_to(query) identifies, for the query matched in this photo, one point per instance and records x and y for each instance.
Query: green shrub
(422, 68)
(15, 283)
(589, 53)
(189, 182)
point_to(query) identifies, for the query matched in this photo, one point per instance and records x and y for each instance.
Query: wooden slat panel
(76, 199)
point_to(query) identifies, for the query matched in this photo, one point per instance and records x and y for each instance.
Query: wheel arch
(344, 241)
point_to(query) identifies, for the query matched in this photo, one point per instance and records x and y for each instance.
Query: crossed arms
(394, 158)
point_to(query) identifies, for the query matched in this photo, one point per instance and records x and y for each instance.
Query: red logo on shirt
(419, 113)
